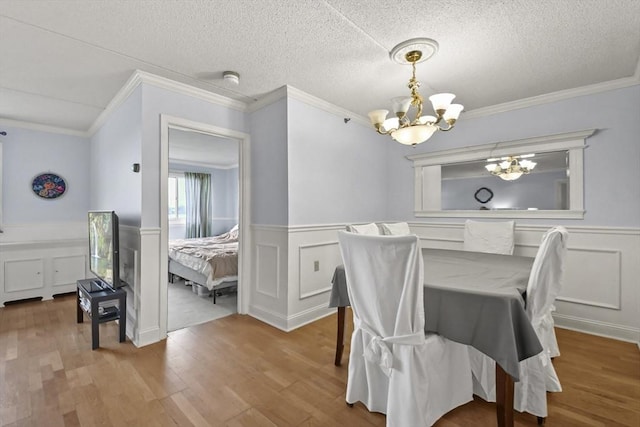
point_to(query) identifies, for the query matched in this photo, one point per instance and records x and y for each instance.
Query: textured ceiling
(61, 62)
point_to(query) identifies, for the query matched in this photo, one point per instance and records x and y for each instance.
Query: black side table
(95, 295)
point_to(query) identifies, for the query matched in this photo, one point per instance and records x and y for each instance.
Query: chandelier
(510, 168)
(402, 128)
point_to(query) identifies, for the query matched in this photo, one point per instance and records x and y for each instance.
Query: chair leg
(541, 421)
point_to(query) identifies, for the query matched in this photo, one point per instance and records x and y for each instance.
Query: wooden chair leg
(340, 335)
(541, 421)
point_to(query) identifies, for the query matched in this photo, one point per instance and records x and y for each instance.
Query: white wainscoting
(600, 293)
(130, 273)
(286, 291)
(42, 260)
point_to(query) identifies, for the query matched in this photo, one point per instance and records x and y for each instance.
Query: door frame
(244, 207)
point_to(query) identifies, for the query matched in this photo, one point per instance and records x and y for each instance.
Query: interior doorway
(203, 227)
(176, 155)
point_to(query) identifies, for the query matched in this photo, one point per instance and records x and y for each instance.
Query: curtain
(198, 204)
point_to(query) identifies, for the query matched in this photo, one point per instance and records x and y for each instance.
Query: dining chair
(395, 229)
(537, 374)
(394, 367)
(489, 237)
(371, 229)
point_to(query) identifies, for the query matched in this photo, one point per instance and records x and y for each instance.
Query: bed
(211, 262)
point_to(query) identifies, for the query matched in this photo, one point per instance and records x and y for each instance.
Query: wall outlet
(316, 265)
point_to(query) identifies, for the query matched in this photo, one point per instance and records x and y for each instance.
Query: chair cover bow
(378, 351)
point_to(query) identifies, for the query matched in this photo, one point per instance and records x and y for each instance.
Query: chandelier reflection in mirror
(402, 128)
(510, 168)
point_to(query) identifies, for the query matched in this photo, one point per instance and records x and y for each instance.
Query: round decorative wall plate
(483, 195)
(49, 185)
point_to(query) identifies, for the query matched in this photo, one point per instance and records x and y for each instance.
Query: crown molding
(42, 128)
(555, 96)
(143, 77)
(297, 94)
(201, 164)
(119, 98)
(268, 99)
(325, 106)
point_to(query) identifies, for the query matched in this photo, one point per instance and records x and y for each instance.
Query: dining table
(473, 298)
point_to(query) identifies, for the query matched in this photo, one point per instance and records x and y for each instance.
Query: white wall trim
(297, 94)
(304, 295)
(594, 327)
(289, 323)
(427, 174)
(553, 97)
(244, 194)
(308, 316)
(143, 77)
(269, 317)
(259, 289)
(43, 128)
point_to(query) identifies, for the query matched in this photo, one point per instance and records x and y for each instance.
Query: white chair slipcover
(371, 229)
(395, 229)
(394, 368)
(489, 237)
(537, 375)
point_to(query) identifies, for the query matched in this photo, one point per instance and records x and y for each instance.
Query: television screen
(104, 247)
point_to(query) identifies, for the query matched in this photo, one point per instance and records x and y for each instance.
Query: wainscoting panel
(600, 293)
(268, 290)
(584, 265)
(317, 263)
(267, 272)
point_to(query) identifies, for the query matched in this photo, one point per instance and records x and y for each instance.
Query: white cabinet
(41, 269)
(23, 274)
(67, 269)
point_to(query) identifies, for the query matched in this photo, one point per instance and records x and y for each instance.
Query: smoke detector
(231, 77)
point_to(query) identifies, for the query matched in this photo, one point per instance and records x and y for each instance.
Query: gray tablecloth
(473, 298)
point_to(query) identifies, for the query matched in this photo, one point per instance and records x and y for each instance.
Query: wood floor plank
(238, 371)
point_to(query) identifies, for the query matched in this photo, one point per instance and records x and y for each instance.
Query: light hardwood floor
(237, 371)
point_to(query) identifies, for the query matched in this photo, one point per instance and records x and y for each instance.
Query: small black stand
(91, 290)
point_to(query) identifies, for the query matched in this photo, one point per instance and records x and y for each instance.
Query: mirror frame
(428, 185)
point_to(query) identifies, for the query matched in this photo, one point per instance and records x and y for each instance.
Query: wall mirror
(538, 177)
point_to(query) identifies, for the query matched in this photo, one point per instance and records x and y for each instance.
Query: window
(177, 205)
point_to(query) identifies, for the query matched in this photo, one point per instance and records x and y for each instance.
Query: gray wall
(157, 101)
(612, 159)
(337, 171)
(114, 149)
(27, 153)
(269, 169)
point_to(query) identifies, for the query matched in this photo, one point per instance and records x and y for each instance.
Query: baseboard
(593, 327)
(147, 337)
(288, 324)
(309, 316)
(269, 317)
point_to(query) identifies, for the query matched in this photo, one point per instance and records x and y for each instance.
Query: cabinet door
(22, 275)
(68, 269)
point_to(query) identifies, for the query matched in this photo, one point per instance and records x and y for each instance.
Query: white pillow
(397, 229)
(364, 229)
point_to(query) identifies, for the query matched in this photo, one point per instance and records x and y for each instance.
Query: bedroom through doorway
(203, 212)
